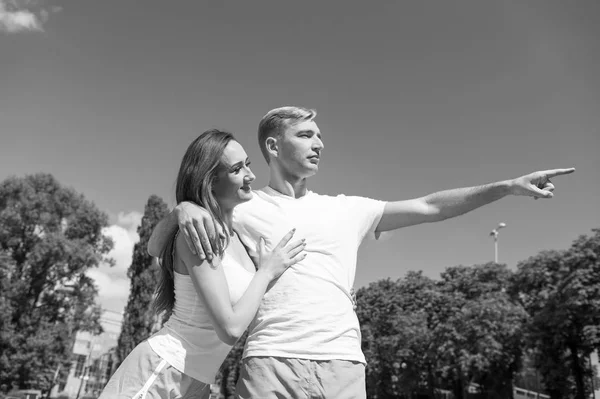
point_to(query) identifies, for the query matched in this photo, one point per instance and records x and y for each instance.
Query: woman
(210, 305)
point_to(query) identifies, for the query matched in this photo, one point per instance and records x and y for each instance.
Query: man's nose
(317, 144)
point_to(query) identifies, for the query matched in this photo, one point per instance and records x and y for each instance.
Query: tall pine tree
(139, 319)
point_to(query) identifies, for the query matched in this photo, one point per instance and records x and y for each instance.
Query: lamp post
(494, 233)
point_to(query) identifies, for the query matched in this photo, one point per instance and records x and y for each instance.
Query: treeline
(481, 326)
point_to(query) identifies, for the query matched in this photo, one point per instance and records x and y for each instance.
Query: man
(305, 338)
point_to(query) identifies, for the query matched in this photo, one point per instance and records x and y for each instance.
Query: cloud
(112, 282)
(110, 288)
(17, 16)
(130, 221)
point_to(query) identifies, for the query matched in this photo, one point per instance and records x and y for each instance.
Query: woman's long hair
(197, 174)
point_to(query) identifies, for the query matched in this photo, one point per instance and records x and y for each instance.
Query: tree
(7, 328)
(420, 335)
(400, 324)
(229, 371)
(49, 237)
(484, 339)
(139, 319)
(561, 292)
(424, 299)
(375, 305)
(487, 342)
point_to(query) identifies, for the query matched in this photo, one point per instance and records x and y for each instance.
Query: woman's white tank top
(188, 340)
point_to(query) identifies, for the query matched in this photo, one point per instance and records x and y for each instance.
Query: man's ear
(271, 144)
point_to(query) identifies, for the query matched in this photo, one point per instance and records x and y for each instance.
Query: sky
(412, 97)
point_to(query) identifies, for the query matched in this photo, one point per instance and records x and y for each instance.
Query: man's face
(300, 147)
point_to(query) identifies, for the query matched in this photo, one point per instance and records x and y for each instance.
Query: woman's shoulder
(182, 250)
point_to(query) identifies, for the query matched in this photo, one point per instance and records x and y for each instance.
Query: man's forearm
(450, 203)
(163, 230)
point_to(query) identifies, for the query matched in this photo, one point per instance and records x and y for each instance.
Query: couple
(304, 337)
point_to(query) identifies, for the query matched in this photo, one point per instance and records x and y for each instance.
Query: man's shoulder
(340, 197)
(255, 204)
(259, 196)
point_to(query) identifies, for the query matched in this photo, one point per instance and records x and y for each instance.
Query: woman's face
(232, 186)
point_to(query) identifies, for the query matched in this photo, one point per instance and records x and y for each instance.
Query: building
(94, 360)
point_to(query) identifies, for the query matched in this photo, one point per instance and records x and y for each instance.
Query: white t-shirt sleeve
(365, 214)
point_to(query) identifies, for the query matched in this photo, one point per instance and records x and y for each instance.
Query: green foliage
(421, 335)
(476, 324)
(49, 237)
(400, 325)
(230, 369)
(561, 292)
(483, 341)
(139, 319)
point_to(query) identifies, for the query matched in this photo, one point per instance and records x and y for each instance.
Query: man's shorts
(145, 375)
(280, 377)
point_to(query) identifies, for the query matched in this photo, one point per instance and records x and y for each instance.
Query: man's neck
(287, 185)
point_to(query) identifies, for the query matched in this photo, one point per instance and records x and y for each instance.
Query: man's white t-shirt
(308, 312)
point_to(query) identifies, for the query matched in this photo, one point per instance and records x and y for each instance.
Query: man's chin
(303, 171)
(311, 170)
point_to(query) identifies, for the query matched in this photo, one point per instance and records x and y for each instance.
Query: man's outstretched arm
(450, 203)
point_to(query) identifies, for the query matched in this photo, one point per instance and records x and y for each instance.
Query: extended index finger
(558, 172)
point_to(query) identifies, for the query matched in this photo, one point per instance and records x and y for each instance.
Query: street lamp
(494, 233)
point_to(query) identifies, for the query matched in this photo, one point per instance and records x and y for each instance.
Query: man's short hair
(277, 120)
